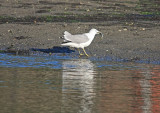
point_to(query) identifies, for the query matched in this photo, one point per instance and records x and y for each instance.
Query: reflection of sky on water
(55, 61)
(7, 60)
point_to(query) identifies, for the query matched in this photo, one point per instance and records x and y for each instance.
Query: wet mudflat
(130, 28)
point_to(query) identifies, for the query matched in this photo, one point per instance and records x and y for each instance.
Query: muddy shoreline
(132, 38)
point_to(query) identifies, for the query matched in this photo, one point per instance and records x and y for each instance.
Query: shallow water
(54, 84)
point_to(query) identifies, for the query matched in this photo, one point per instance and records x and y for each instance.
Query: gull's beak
(100, 34)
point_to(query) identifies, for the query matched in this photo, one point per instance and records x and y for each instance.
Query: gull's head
(95, 31)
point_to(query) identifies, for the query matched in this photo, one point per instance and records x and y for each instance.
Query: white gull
(79, 40)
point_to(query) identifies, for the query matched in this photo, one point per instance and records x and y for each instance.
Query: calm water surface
(33, 84)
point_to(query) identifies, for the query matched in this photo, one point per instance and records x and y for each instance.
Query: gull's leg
(79, 52)
(85, 52)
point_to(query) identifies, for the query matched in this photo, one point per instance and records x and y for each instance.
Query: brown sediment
(130, 32)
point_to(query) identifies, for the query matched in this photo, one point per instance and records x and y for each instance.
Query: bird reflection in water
(78, 85)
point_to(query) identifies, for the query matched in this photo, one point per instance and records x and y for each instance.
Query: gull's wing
(66, 34)
(80, 38)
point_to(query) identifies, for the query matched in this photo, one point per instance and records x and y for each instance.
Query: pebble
(9, 31)
(143, 29)
(125, 29)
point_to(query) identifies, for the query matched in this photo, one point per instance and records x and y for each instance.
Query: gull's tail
(66, 34)
(66, 40)
(66, 43)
